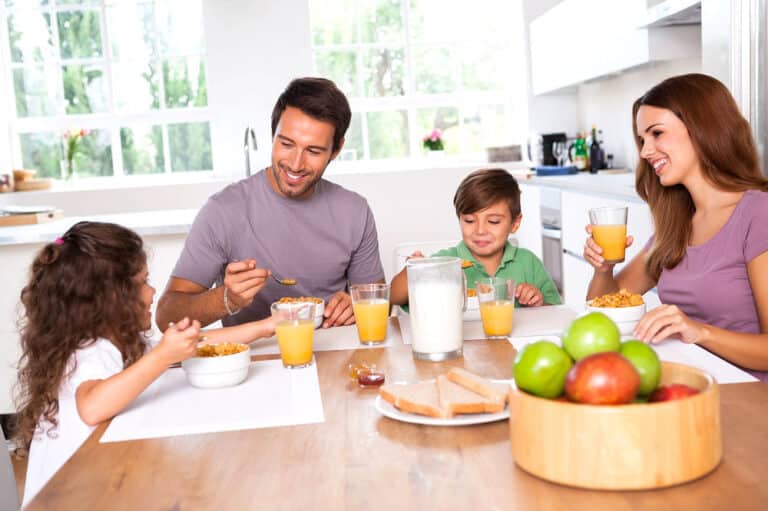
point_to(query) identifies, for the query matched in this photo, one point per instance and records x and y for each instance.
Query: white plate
(12, 209)
(386, 409)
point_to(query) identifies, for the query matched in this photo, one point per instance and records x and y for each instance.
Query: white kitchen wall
(607, 103)
(254, 48)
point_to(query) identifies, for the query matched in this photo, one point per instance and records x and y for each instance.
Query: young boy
(487, 203)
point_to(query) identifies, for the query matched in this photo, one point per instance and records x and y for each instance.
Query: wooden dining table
(358, 459)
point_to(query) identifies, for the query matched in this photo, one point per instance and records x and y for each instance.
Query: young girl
(85, 354)
(699, 173)
(487, 203)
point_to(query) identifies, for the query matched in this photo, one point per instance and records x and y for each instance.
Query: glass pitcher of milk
(436, 291)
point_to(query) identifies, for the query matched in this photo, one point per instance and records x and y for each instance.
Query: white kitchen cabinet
(580, 40)
(574, 210)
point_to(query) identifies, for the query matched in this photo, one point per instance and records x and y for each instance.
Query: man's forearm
(206, 307)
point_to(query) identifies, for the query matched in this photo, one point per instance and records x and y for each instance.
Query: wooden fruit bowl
(626, 447)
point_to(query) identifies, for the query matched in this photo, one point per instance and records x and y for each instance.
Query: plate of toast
(457, 398)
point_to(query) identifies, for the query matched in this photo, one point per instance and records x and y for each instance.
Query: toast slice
(498, 392)
(420, 398)
(455, 399)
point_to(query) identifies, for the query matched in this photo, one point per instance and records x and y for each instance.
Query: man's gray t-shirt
(324, 241)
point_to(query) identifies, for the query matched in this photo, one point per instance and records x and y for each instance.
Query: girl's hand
(179, 342)
(592, 252)
(668, 321)
(529, 295)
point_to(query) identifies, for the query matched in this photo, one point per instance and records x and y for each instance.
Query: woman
(699, 173)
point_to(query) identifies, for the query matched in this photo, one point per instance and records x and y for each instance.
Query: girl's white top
(49, 451)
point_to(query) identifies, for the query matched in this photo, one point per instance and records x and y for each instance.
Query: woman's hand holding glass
(593, 252)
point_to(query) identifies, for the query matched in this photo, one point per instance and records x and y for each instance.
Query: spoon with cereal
(285, 282)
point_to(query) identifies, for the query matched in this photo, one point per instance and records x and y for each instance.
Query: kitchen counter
(178, 221)
(145, 223)
(616, 185)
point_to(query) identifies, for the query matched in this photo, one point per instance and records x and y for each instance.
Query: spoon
(285, 282)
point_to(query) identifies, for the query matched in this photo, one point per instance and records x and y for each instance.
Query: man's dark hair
(320, 99)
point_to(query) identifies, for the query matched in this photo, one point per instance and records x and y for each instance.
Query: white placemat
(547, 320)
(270, 396)
(330, 339)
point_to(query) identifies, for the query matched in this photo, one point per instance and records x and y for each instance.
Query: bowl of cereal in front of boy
(624, 308)
(218, 365)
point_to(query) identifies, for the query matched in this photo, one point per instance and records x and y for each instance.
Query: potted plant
(71, 140)
(433, 142)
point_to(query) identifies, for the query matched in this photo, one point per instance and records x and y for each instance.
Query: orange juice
(497, 317)
(372, 318)
(295, 341)
(612, 239)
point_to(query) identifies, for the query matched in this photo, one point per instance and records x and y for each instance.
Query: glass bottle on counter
(578, 153)
(595, 153)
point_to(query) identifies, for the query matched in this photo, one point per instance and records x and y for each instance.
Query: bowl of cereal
(624, 308)
(218, 365)
(319, 305)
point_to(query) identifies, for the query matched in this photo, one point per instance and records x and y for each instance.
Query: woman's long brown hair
(723, 142)
(81, 287)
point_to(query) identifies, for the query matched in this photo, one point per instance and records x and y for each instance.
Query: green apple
(646, 361)
(591, 333)
(540, 369)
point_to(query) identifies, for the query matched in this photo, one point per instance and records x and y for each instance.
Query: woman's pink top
(711, 283)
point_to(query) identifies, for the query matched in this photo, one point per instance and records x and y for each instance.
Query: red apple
(605, 378)
(672, 392)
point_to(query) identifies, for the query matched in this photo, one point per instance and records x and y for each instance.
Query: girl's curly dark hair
(81, 287)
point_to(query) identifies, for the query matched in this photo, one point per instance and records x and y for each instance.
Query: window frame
(412, 100)
(113, 119)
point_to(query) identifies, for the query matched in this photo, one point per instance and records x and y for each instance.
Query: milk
(436, 316)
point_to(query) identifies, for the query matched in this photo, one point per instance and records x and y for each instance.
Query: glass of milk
(436, 291)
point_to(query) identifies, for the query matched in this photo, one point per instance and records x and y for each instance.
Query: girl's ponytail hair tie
(59, 241)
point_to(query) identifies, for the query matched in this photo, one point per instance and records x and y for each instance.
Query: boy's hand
(179, 342)
(415, 255)
(529, 295)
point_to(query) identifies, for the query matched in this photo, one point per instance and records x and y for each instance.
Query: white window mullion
(114, 130)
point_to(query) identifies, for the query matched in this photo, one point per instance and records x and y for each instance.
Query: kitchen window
(409, 66)
(130, 71)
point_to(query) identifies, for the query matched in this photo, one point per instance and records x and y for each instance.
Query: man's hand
(338, 310)
(243, 280)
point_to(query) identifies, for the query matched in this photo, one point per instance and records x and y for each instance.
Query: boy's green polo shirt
(518, 264)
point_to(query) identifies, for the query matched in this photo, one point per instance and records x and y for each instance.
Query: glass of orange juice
(497, 305)
(295, 329)
(609, 230)
(370, 302)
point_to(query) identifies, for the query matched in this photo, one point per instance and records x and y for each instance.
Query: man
(285, 219)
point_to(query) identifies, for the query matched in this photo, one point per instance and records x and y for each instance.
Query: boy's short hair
(482, 188)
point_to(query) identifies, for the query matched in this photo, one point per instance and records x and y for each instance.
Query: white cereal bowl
(221, 371)
(319, 309)
(625, 317)
(473, 309)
